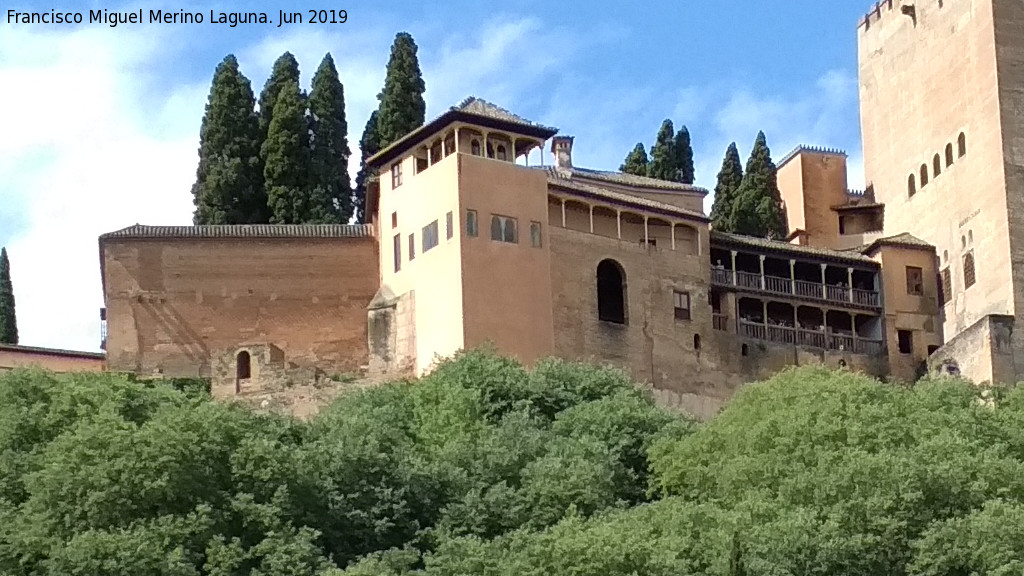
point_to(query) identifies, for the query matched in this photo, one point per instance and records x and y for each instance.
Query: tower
(941, 96)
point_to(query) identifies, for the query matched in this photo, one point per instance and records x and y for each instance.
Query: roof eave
(666, 211)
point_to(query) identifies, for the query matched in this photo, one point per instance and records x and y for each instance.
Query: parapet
(880, 10)
(800, 149)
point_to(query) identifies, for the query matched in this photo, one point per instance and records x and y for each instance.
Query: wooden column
(732, 253)
(618, 223)
(563, 213)
(849, 277)
(647, 237)
(591, 218)
(761, 263)
(456, 139)
(792, 276)
(673, 235)
(824, 286)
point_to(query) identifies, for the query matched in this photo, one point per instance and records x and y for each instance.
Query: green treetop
(684, 156)
(284, 72)
(402, 108)
(288, 165)
(758, 209)
(8, 317)
(663, 155)
(636, 161)
(729, 179)
(331, 195)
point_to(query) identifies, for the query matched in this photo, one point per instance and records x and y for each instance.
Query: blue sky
(101, 124)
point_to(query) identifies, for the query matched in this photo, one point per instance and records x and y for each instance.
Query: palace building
(469, 245)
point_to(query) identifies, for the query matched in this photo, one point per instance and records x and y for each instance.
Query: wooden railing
(721, 276)
(809, 338)
(778, 285)
(798, 288)
(748, 280)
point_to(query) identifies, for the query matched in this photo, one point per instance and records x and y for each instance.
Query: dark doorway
(611, 292)
(243, 366)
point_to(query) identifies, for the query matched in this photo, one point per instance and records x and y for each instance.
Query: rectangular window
(906, 341)
(394, 220)
(535, 239)
(429, 236)
(449, 223)
(945, 286)
(682, 305)
(969, 270)
(396, 175)
(421, 165)
(504, 229)
(471, 228)
(412, 247)
(915, 281)
(398, 252)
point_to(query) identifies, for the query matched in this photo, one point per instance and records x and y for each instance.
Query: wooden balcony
(720, 322)
(810, 338)
(802, 289)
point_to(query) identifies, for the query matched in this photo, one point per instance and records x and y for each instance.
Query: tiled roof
(905, 240)
(622, 198)
(52, 351)
(481, 107)
(778, 246)
(861, 206)
(621, 179)
(245, 231)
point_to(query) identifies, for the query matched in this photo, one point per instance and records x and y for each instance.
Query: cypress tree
(284, 72)
(8, 318)
(684, 156)
(229, 182)
(663, 155)
(369, 145)
(331, 195)
(729, 179)
(636, 161)
(402, 108)
(288, 163)
(758, 209)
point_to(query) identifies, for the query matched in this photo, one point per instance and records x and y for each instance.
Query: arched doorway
(243, 366)
(611, 292)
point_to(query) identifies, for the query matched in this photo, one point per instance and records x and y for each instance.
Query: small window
(924, 175)
(474, 147)
(449, 225)
(449, 146)
(394, 220)
(396, 175)
(949, 155)
(696, 342)
(504, 229)
(969, 278)
(502, 154)
(911, 186)
(961, 145)
(682, 305)
(945, 286)
(412, 247)
(915, 281)
(471, 227)
(535, 239)
(611, 292)
(430, 238)
(905, 340)
(842, 224)
(421, 165)
(398, 252)
(744, 350)
(936, 165)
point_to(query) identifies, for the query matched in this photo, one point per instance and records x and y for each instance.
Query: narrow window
(471, 229)
(911, 186)
(535, 239)
(421, 165)
(842, 224)
(936, 165)
(611, 292)
(945, 285)
(449, 146)
(502, 154)
(905, 339)
(682, 305)
(396, 175)
(924, 175)
(504, 229)
(398, 252)
(430, 239)
(915, 281)
(474, 147)
(969, 270)
(696, 342)
(394, 220)
(490, 150)
(744, 350)
(412, 247)
(449, 225)
(961, 145)
(949, 155)
(243, 368)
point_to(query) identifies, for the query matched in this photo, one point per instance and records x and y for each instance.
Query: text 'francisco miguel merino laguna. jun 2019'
(140, 16)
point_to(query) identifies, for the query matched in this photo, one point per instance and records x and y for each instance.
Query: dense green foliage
(402, 108)
(229, 181)
(288, 165)
(729, 179)
(486, 468)
(663, 165)
(636, 161)
(8, 315)
(283, 74)
(369, 144)
(757, 207)
(684, 156)
(331, 193)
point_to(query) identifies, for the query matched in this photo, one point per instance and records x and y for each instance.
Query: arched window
(970, 237)
(611, 292)
(924, 175)
(911, 186)
(969, 277)
(961, 145)
(502, 154)
(243, 366)
(949, 155)
(474, 148)
(936, 165)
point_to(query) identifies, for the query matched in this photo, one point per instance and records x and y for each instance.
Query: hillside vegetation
(486, 468)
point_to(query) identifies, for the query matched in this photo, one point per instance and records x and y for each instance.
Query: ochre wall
(172, 303)
(10, 359)
(811, 183)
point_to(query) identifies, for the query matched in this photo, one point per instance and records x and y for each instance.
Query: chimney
(561, 148)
